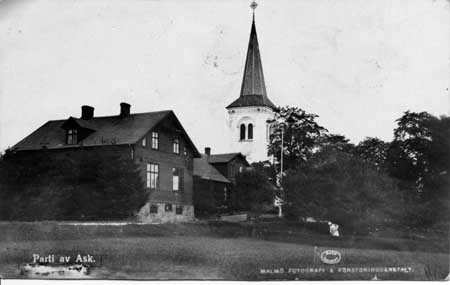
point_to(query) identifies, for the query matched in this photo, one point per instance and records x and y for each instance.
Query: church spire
(253, 88)
(253, 81)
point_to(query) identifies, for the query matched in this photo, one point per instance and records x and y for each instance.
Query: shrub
(204, 201)
(253, 191)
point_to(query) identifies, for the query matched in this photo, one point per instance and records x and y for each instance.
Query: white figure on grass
(334, 229)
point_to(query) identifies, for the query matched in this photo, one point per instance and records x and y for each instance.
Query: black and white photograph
(233, 140)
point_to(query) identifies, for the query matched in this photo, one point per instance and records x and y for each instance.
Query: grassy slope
(191, 251)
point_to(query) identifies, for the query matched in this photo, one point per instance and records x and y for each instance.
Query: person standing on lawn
(334, 229)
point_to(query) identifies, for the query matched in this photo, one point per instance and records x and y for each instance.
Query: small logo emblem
(330, 256)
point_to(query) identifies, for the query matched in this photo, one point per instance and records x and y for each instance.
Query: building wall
(123, 151)
(210, 197)
(230, 169)
(163, 216)
(256, 149)
(167, 160)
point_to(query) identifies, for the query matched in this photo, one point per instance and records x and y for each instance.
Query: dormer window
(72, 136)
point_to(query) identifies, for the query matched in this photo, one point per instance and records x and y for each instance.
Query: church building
(248, 114)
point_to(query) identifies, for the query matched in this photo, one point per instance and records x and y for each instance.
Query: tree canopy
(343, 188)
(373, 150)
(83, 186)
(301, 134)
(329, 177)
(253, 190)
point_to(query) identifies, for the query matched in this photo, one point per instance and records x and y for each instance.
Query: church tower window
(242, 132)
(250, 132)
(268, 132)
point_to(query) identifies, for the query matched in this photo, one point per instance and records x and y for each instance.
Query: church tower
(248, 115)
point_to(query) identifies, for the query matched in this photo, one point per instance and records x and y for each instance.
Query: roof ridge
(108, 130)
(225, 153)
(111, 116)
(205, 170)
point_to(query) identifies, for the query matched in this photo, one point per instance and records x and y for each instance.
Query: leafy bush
(204, 201)
(253, 191)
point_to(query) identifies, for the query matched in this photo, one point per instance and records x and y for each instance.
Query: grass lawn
(195, 251)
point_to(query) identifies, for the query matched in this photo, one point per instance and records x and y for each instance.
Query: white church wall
(254, 149)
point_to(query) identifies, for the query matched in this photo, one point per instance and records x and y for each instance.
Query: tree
(411, 146)
(335, 142)
(86, 185)
(204, 197)
(343, 188)
(112, 184)
(373, 150)
(420, 149)
(267, 169)
(419, 157)
(301, 134)
(253, 191)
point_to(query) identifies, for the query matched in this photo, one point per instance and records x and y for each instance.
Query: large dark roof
(111, 130)
(204, 170)
(226, 157)
(253, 89)
(252, 100)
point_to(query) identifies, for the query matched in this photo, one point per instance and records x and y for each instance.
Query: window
(155, 140)
(71, 136)
(177, 179)
(250, 132)
(242, 132)
(152, 175)
(168, 208)
(132, 154)
(153, 209)
(179, 210)
(176, 146)
(185, 151)
(144, 141)
(225, 194)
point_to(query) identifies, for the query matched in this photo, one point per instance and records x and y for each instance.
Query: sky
(357, 64)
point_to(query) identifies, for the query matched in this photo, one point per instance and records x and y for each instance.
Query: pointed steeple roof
(253, 82)
(253, 89)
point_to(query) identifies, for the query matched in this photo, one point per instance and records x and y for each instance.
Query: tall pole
(282, 152)
(280, 211)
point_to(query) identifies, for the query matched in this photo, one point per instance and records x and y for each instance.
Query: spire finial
(253, 6)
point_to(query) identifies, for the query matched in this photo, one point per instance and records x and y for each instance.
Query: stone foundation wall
(163, 215)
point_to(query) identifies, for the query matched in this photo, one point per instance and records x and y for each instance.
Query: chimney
(207, 150)
(124, 109)
(87, 112)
